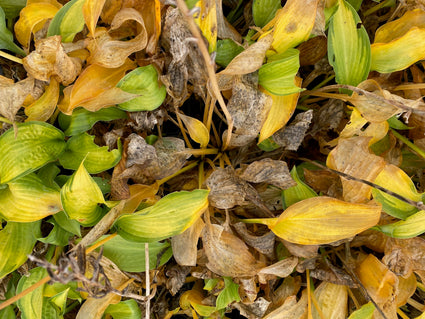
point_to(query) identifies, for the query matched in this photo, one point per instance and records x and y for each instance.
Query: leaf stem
(406, 141)
(184, 169)
(10, 57)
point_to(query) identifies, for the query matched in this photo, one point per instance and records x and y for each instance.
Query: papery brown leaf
(49, 59)
(403, 256)
(146, 163)
(224, 29)
(303, 251)
(253, 310)
(273, 172)
(332, 300)
(251, 59)
(110, 53)
(248, 106)
(95, 88)
(289, 287)
(323, 181)
(313, 50)
(13, 95)
(247, 289)
(372, 239)
(381, 285)
(329, 273)
(185, 245)
(281, 269)
(291, 136)
(291, 309)
(352, 157)
(263, 244)
(176, 278)
(227, 254)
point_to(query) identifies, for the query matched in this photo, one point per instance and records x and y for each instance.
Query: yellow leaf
(395, 54)
(281, 111)
(111, 53)
(95, 88)
(352, 157)
(293, 24)
(323, 220)
(43, 108)
(406, 288)
(207, 22)
(332, 300)
(27, 199)
(30, 17)
(197, 130)
(380, 283)
(91, 11)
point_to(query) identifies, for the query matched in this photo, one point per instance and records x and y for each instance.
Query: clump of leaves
(210, 158)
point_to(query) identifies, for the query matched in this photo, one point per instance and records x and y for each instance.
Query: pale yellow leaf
(91, 11)
(332, 301)
(197, 130)
(43, 108)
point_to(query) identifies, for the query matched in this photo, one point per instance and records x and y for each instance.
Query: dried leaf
(185, 245)
(352, 157)
(251, 59)
(406, 289)
(13, 95)
(281, 269)
(263, 244)
(95, 89)
(291, 309)
(291, 136)
(109, 53)
(227, 254)
(270, 171)
(91, 12)
(49, 59)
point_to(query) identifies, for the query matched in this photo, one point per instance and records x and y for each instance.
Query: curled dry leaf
(227, 254)
(303, 251)
(291, 136)
(281, 269)
(291, 309)
(185, 245)
(263, 244)
(256, 309)
(49, 59)
(381, 285)
(110, 53)
(289, 287)
(12, 95)
(352, 157)
(270, 171)
(251, 59)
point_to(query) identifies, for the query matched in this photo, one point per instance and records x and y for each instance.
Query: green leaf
(16, 242)
(170, 216)
(57, 236)
(56, 288)
(396, 124)
(27, 199)
(356, 4)
(82, 120)
(36, 144)
(49, 310)
(143, 81)
(31, 305)
(227, 49)
(130, 255)
(68, 224)
(411, 227)
(348, 46)
(6, 37)
(48, 174)
(7, 313)
(278, 76)
(97, 159)
(228, 294)
(60, 299)
(124, 310)
(365, 312)
(297, 193)
(68, 21)
(211, 283)
(268, 145)
(12, 8)
(80, 197)
(264, 10)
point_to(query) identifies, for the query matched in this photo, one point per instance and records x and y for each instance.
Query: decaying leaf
(110, 53)
(49, 59)
(43, 108)
(352, 157)
(332, 300)
(227, 254)
(263, 244)
(291, 309)
(185, 245)
(270, 171)
(281, 269)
